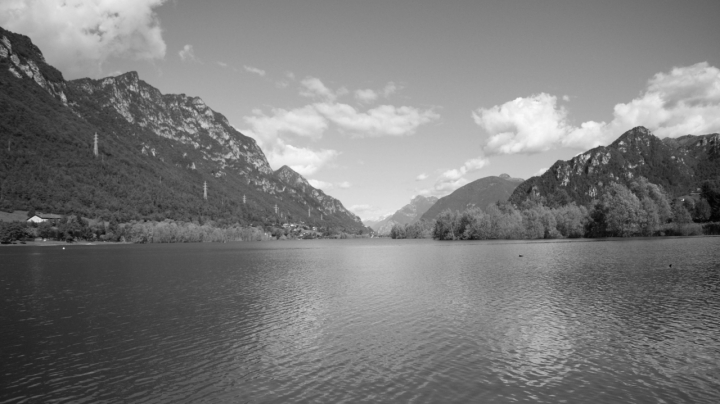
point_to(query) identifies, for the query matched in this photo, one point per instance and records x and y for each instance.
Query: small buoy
(63, 248)
(520, 255)
(670, 265)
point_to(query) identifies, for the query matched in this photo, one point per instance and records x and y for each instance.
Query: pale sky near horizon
(378, 101)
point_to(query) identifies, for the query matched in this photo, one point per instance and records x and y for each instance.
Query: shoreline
(53, 243)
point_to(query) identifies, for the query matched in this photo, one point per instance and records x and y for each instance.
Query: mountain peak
(678, 165)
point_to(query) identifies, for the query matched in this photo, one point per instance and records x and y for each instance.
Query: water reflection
(363, 320)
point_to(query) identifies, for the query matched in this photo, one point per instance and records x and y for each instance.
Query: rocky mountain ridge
(679, 165)
(156, 152)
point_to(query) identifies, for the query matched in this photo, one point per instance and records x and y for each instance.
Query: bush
(711, 229)
(13, 231)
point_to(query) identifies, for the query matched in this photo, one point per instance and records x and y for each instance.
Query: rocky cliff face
(184, 119)
(679, 165)
(156, 151)
(298, 185)
(26, 60)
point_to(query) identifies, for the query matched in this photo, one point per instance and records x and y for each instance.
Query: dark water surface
(362, 321)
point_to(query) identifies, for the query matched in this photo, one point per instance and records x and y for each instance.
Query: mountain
(680, 165)
(156, 152)
(407, 214)
(371, 223)
(479, 193)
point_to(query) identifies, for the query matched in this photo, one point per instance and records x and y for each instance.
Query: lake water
(363, 321)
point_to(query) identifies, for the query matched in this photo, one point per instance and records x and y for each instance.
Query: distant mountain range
(156, 152)
(680, 165)
(405, 215)
(479, 193)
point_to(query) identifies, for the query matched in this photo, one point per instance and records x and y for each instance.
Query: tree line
(640, 209)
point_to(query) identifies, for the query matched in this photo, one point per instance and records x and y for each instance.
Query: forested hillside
(479, 193)
(680, 166)
(156, 154)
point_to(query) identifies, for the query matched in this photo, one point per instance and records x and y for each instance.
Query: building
(45, 217)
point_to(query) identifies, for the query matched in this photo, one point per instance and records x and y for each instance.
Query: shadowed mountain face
(409, 213)
(680, 165)
(155, 152)
(479, 193)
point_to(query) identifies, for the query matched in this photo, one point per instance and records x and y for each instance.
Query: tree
(12, 231)
(702, 211)
(397, 231)
(623, 208)
(680, 214)
(446, 226)
(649, 220)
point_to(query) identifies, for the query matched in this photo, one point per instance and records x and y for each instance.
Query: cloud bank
(78, 36)
(684, 101)
(450, 180)
(276, 130)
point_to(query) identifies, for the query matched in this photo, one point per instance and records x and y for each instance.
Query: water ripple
(363, 321)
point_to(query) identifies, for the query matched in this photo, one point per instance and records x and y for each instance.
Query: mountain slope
(407, 214)
(679, 165)
(155, 152)
(479, 193)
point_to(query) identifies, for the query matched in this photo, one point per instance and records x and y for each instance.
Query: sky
(376, 102)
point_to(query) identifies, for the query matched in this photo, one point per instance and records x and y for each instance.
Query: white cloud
(540, 172)
(328, 185)
(421, 177)
(390, 89)
(312, 87)
(187, 54)
(384, 120)
(320, 184)
(222, 64)
(566, 98)
(684, 101)
(273, 130)
(305, 122)
(301, 159)
(78, 36)
(524, 125)
(450, 180)
(367, 96)
(254, 70)
(270, 130)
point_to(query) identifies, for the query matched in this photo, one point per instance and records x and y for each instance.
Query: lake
(373, 320)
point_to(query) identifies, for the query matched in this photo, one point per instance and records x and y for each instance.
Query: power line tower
(244, 200)
(308, 212)
(276, 210)
(95, 147)
(205, 190)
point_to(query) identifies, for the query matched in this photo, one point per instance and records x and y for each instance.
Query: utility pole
(308, 212)
(244, 200)
(95, 148)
